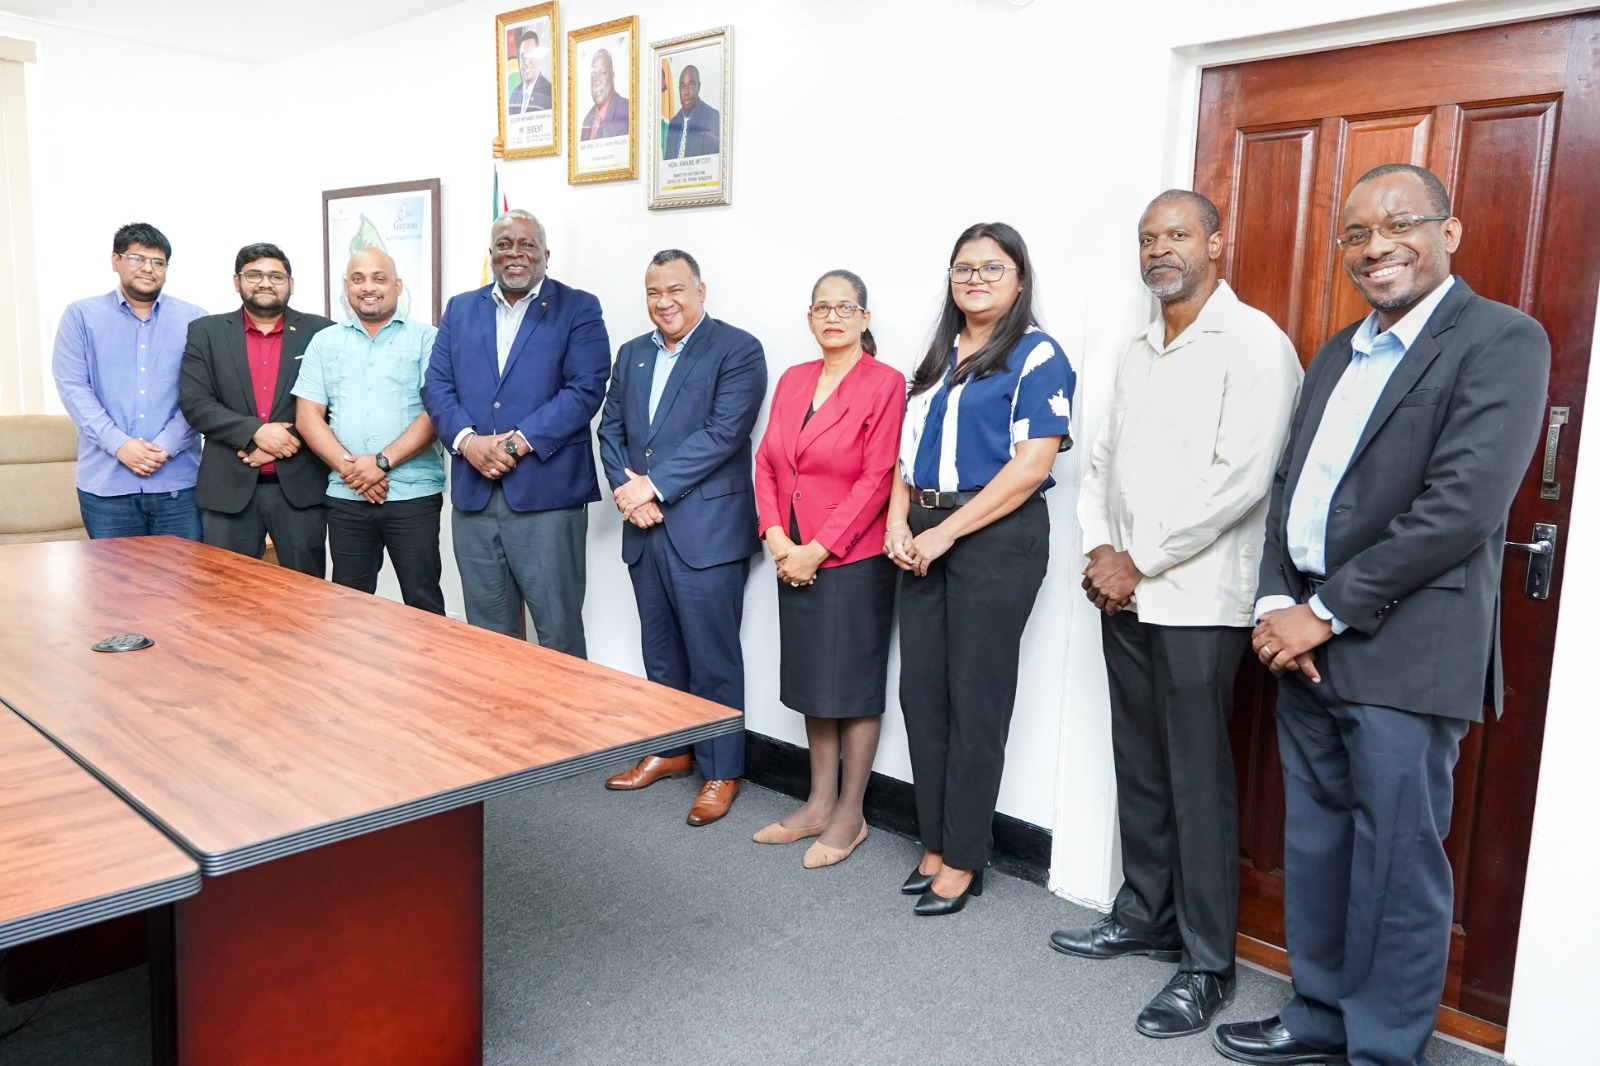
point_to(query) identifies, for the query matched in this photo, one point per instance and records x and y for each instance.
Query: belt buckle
(928, 499)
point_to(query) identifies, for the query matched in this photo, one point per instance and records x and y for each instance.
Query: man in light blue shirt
(116, 365)
(359, 407)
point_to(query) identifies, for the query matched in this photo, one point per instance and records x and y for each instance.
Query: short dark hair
(143, 234)
(1210, 220)
(251, 252)
(1438, 198)
(671, 255)
(525, 36)
(852, 279)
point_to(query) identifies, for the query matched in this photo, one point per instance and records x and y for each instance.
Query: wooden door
(1508, 117)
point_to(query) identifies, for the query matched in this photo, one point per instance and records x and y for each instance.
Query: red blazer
(833, 474)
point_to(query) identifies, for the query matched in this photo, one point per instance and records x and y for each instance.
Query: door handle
(1549, 487)
(1542, 561)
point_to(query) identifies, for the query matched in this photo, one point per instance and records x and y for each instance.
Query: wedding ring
(1267, 648)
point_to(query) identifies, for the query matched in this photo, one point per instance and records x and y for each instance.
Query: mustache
(1165, 261)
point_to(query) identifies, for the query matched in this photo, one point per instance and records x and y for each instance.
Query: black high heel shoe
(918, 882)
(933, 903)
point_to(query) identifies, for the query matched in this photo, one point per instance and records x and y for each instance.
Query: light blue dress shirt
(1373, 359)
(666, 359)
(372, 387)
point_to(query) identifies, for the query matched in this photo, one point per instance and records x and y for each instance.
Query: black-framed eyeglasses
(986, 272)
(1392, 229)
(844, 309)
(256, 277)
(143, 260)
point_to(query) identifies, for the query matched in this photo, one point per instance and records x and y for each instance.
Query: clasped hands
(914, 554)
(636, 499)
(797, 563)
(1110, 578)
(272, 441)
(142, 457)
(1285, 638)
(361, 474)
(488, 456)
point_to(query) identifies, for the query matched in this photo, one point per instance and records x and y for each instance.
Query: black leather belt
(1313, 582)
(933, 500)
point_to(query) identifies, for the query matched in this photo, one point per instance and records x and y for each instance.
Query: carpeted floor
(616, 934)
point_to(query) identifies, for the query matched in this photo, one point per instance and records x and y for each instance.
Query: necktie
(683, 139)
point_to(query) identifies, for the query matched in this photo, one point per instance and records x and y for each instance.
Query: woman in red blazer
(823, 473)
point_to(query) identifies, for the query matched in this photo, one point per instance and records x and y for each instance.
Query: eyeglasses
(1394, 228)
(844, 309)
(986, 272)
(143, 260)
(256, 277)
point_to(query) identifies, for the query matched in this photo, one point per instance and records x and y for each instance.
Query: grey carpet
(615, 933)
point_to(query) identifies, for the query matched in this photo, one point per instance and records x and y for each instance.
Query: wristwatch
(383, 462)
(511, 446)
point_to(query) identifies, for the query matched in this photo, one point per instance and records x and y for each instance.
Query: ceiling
(226, 30)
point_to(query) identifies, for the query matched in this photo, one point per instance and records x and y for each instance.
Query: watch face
(383, 462)
(511, 447)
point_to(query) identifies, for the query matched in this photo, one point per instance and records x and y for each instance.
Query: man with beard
(697, 127)
(1380, 581)
(1173, 511)
(518, 371)
(609, 115)
(255, 479)
(116, 366)
(386, 470)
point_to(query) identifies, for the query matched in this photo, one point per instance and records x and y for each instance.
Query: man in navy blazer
(675, 442)
(697, 127)
(1380, 582)
(518, 371)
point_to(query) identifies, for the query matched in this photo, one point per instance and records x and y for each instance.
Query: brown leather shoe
(713, 802)
(652, 768)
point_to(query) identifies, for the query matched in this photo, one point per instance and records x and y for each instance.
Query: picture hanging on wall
(402, 219)
(528, 81)
(690, 151)
(602, 102)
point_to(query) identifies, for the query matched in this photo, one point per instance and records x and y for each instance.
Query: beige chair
(38, 461)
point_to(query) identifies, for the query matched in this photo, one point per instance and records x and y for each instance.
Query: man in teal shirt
(360, 408)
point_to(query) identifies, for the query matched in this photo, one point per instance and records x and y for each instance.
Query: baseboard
(1021, 849)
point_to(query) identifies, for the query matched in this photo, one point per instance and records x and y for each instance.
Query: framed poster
(690, 154)
(602, 66)
(402, 219)
(528, 81)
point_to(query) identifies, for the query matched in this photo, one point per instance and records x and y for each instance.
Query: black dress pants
(299, 534)
(960, 638)
(1177, 801)
(358, 533)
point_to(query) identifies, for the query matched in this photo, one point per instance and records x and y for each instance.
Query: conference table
(323, 756)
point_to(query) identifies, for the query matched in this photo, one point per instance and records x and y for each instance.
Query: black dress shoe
(1187, 1005)
(1110, 939)
(933, 903)
(1268, 1043)
(918, 882)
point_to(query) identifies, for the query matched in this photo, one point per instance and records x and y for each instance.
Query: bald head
(372, 286)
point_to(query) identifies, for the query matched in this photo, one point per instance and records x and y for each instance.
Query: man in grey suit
(1378, 609)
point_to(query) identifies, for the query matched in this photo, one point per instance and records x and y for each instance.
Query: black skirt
(834, 637)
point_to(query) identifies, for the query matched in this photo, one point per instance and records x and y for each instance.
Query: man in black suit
(533, 90)
(697, 127)
(256, 480)
(1379, 591)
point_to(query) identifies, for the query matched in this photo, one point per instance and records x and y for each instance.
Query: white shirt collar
(1409, 327)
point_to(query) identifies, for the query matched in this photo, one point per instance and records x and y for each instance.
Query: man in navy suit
(697, 127)
(533, 89)
(675, 442)
(1380, 582)
(517, 373)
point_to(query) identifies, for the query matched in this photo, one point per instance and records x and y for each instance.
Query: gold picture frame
(691, 147)
(603, 145)
(527, 46)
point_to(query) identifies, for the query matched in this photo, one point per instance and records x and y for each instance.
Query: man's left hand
(360, 472)
(1110, 578)
(633, 493)
(1285, 639)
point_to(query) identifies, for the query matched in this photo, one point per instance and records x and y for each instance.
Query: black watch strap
(383, 462)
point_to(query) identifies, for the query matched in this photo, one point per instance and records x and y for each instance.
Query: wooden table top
(71, 853)
(277, 712)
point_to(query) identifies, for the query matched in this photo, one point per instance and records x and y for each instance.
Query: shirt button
(797, 495)
(649, 452)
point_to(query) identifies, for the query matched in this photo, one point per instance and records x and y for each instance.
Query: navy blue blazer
(554, 381)
(705, 132)
(697, 450)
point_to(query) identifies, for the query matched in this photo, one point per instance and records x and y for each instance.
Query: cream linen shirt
(1181, 474)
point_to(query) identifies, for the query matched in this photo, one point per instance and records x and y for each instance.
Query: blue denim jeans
(141, 514)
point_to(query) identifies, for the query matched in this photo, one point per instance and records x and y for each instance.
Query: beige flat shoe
(778, 833)
(819, 854)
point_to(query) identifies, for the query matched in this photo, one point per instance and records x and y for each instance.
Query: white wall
(864, 138)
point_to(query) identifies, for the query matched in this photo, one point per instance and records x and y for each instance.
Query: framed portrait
(603, 102)
(528, 80)
(690, 150)
(402, 219)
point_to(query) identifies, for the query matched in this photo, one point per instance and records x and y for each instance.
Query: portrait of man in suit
(256, 479)
(609, 115)
(675, 444)
(517, 373)
(1378, 608)
(532, 92)
(697, 127)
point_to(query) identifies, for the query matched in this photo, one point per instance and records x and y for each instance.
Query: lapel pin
(641, 366)
(544, 303)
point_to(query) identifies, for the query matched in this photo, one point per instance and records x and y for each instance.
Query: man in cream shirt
(1174, 513)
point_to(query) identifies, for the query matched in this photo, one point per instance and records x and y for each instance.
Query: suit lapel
(530, 322)
(680, 370)
(296, 335)
(1423, 351)
(1316, 405)
(832, 410)
(237, 356)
